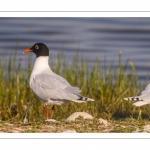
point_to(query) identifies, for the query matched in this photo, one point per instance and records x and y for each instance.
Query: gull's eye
(36, 47)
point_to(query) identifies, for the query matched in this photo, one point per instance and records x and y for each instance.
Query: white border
(75, 5)
(74, 14)
(68, 8)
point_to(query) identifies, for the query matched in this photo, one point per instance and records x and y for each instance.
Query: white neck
(41, 65)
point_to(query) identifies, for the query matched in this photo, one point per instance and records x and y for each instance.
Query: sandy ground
(80, 125)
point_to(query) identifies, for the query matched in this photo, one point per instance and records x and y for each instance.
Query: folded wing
(53, 87)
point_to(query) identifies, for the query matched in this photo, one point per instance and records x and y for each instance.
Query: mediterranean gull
(47, 86)
(143, 99)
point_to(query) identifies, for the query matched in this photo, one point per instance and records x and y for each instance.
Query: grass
(107, 86)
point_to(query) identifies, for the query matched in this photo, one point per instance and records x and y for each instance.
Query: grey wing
(53, 87)
(146, 90)
(145, 94)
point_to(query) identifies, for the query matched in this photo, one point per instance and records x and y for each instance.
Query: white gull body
(51, 88)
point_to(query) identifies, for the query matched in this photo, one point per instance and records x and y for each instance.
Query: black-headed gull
(47, 86)
(143, 99)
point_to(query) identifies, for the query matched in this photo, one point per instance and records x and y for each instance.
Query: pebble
(104, 122)
(77, 114)
(25, 120)
(15, 131)
(136, 131)
(69, 131)
(146, 128)
(51, 120)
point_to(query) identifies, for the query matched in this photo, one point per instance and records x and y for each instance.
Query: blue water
(92, 37)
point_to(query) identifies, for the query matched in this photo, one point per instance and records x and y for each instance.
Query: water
(92, 37)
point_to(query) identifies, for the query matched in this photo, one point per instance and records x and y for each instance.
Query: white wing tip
(90, 99)
(140, 103)
(126, 99)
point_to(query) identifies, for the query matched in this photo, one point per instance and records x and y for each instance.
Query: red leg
(46, 107)
(52, 112)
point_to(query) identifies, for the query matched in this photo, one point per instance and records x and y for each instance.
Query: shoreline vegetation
(107, 86)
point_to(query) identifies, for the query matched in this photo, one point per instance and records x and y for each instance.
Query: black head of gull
(40, 49)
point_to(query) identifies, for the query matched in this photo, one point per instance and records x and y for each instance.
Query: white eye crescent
(36, 47)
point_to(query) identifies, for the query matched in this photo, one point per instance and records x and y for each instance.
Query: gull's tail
(82, 99)
(86, 99)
